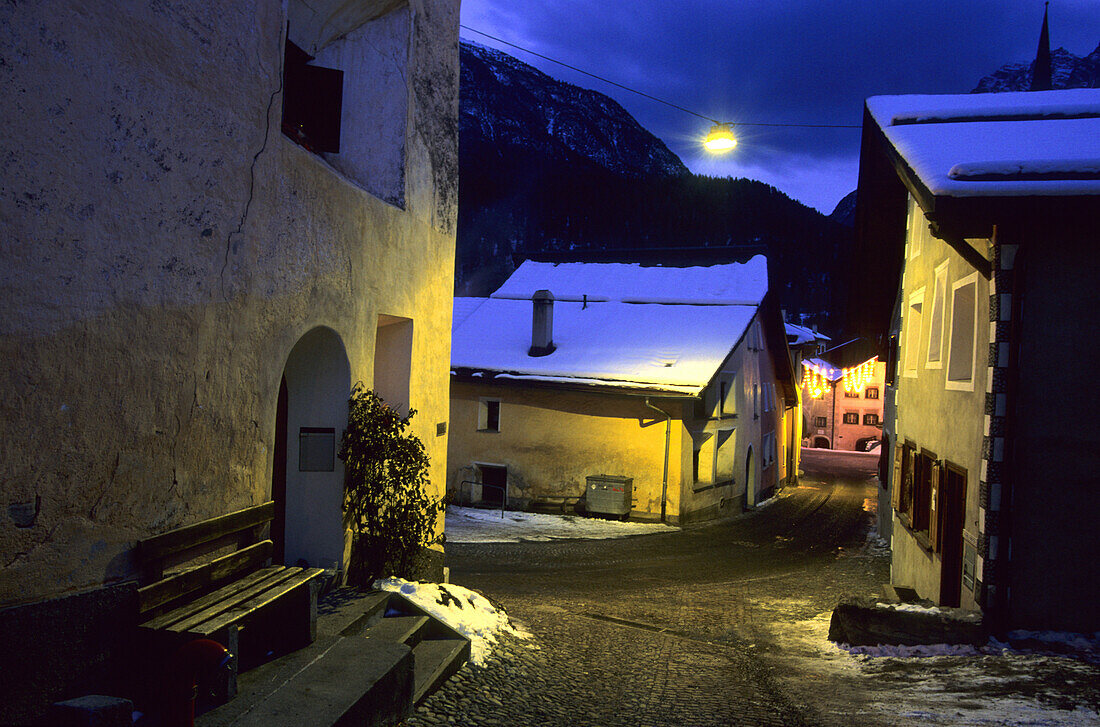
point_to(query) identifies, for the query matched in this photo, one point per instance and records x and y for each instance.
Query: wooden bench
(223, 596)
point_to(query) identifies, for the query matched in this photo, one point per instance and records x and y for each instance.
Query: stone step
(434, 661)
(408, 630)
(351, 682)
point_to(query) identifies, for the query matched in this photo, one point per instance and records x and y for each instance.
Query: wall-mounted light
(720, 139)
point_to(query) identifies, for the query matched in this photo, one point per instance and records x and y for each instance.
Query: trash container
(609, 494)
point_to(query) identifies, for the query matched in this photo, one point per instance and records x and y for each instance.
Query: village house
(217, 219)
(977, 228)
(842, 406)
(657, 393)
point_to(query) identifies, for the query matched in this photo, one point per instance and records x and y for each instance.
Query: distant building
(674, 381)
(842, 408)
(217, 218)
(977, 231)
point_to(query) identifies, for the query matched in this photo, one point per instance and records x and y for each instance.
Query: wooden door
(952, 518)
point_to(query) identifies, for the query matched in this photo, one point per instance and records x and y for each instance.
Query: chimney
(542, 324)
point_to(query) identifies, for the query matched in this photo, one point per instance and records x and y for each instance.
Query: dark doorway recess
(497, 478)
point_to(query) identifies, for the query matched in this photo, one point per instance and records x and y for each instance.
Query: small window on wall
(870, 420)
(851, 417)
(935, 331)
(768, 449)
(488, 415)
(964, 314)
(755, 401)
(871, 392)
(726, 388)
(913, 228)
(911, 342)
(821, 422)
(851, 394)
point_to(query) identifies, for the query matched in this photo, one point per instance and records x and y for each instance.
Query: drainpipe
(668, 432)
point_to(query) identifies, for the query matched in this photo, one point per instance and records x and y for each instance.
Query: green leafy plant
(390, 515)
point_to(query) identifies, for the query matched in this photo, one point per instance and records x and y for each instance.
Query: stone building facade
(178, 248)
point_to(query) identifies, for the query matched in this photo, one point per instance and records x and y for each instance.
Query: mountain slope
(1067, 71)
(508, 102)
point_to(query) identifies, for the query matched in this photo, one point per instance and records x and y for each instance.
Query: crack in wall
(252, 174)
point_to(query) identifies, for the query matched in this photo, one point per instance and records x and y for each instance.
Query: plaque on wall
(316, 449)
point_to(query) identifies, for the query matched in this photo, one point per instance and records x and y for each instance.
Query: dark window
(892, 360)
(871, 392)
(851, 417)
(821, 422)
(312, 101)
(488, 415)
(870, 420)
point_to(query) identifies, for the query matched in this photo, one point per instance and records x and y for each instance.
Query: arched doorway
(307, 478)
(821, 443)
(750, 479)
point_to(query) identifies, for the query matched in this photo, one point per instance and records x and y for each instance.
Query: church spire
(1040, 70)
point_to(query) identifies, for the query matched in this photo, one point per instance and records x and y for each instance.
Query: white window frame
(909, 348)
(963, 384)
(913, 232)
(939, 304)
(483, 413)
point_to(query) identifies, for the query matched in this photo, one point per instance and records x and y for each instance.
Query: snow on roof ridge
(1030, 168)
(992, 113)
(722, 283)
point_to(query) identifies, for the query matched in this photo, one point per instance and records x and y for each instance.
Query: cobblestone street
(670, 629)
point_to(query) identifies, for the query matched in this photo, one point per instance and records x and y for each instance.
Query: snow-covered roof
(1044, 143)
(800, 335)
(823, 367)
(726, 284)
(668, 348)
(463, 307)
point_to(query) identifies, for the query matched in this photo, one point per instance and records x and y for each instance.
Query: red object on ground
(194, 661)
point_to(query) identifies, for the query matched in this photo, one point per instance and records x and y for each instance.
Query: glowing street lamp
(720, 139)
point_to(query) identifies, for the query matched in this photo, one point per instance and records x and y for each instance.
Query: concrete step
(348, 684)
(434, 661)
(408, 630)
(376, 656)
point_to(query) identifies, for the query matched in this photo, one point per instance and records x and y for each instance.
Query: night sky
(777, 61)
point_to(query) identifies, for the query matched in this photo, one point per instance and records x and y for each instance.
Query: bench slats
(190, 536)
(242, 610)
(204, 576)
(192, 607)
(189, 623)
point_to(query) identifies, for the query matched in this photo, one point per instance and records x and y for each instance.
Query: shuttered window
(312, 102)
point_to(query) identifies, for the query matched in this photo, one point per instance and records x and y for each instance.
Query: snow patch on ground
(466, 611)
(473, 525)
(945, 685)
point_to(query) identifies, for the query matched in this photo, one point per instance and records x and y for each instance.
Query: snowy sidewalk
(473, 525)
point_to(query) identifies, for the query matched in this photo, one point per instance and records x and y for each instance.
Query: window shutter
(895, 479)
(935, 507)
(312, 102)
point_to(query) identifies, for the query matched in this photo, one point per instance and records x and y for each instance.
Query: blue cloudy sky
(777, 61)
